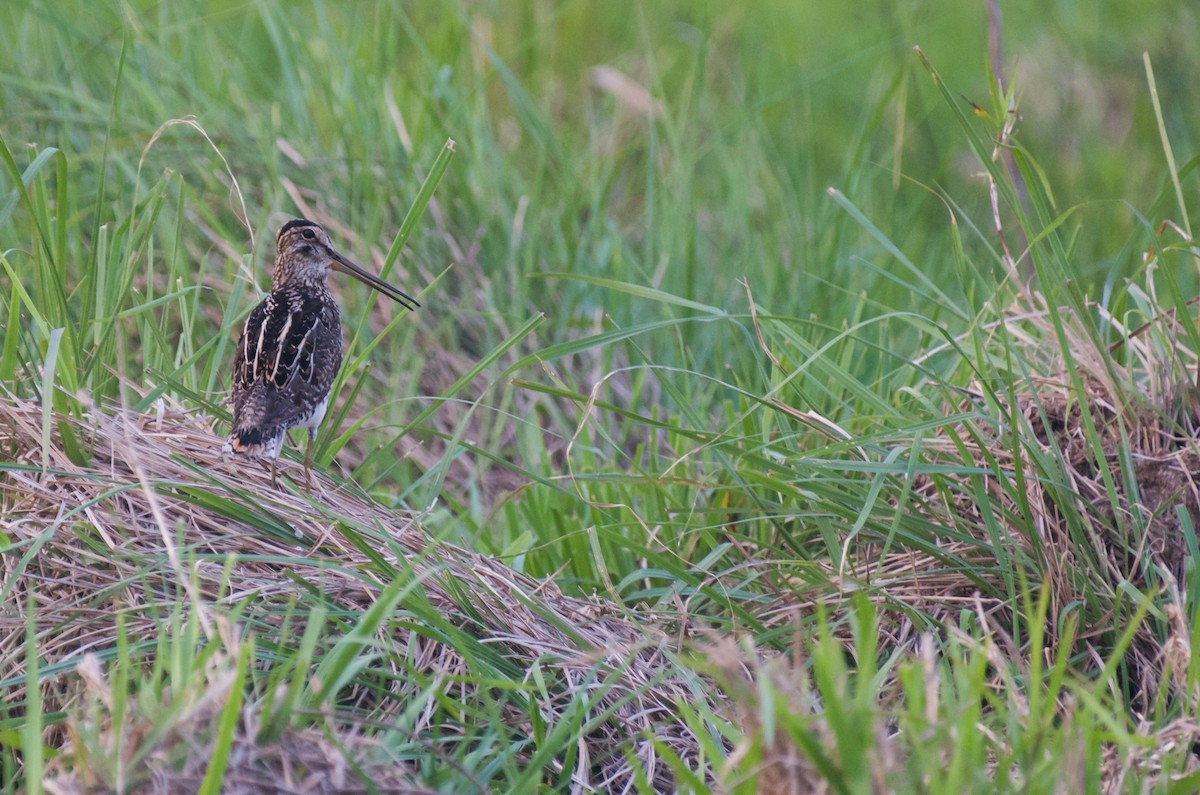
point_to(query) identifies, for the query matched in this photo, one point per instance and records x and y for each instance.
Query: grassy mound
(782, 413)
(159, 518)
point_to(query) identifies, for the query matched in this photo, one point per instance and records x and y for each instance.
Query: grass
(763, 427)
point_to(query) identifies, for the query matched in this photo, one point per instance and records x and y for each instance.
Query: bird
(291, 346)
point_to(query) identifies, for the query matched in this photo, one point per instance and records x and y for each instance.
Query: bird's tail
(254, 443)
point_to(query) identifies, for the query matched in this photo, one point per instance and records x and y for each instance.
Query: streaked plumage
(291, 345)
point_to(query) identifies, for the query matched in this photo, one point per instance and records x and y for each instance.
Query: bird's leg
(272, 450)
(308, 454)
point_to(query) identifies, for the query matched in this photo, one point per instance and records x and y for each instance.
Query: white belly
(314, 420)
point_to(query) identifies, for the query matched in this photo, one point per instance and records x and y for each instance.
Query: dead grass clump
(1107, 514)
(1110, 470)
(332, 759)
(158, 515)
(789, 744)
(1095, 477)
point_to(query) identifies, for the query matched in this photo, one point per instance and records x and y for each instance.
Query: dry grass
(1098, 506)
(332, 759)
(1109, 498)
(143, 523)
(1117, 476)
(135, 527)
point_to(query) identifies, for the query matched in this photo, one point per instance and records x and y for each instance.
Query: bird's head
(304, 253)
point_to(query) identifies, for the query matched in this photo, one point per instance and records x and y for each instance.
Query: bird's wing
(279, 341)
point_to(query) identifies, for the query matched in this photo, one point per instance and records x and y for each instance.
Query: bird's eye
(308, 234)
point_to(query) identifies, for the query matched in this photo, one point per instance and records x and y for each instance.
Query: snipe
(291, 346)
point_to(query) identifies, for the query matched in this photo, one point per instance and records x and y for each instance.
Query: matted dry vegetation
(142, 498)
(137, 500)
(1109, 465)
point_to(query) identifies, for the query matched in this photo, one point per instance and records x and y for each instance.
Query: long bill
(344, 265)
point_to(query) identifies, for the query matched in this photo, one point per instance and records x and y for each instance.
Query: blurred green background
(714, 332)
(762, 106)
(618, 166)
